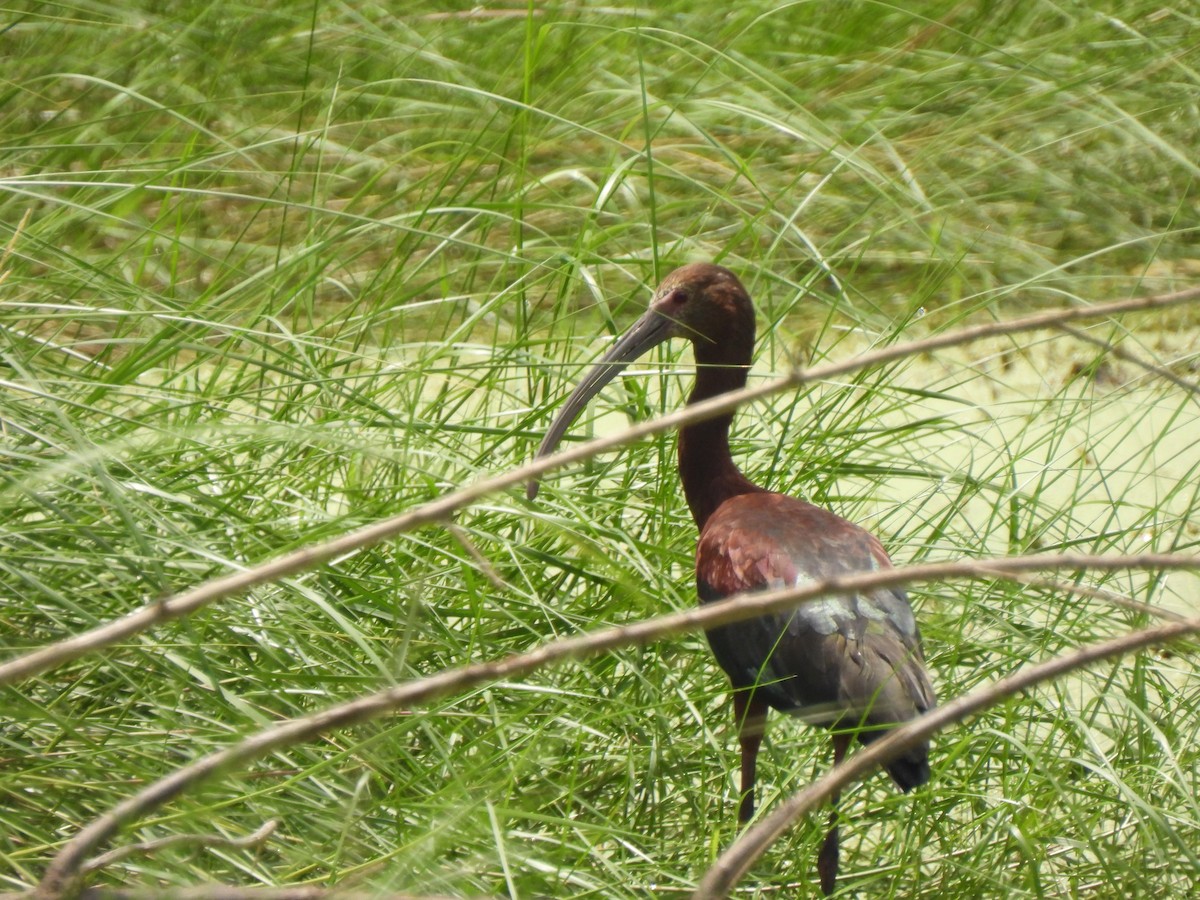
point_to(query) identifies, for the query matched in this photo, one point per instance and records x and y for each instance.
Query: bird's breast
(759, 541)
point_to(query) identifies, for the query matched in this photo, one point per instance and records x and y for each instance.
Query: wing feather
(832, 660)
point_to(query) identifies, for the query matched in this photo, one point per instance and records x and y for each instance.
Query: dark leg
(750, 713)
(827, 859)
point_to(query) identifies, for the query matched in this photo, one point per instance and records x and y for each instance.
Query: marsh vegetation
(277, 271)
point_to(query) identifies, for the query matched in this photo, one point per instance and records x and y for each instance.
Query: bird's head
(701, 302)
(705, 304)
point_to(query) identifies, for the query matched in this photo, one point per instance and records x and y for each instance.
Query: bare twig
(484, 564)
(255, 839)
(174, 607)
(1121, 353)
(12, 243)
(1110, 597)
(62, 875)
(230, 892)
(731, 865)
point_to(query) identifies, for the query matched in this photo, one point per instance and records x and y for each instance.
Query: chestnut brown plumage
(853, 663)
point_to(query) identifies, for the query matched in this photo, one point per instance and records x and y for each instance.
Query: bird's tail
(900, 698)
(910, 769)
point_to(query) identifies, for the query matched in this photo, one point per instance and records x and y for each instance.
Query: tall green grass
(288, 269)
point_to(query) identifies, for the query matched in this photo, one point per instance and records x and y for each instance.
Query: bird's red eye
(677, 297)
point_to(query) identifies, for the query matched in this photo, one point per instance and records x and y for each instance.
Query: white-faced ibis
(852, 663)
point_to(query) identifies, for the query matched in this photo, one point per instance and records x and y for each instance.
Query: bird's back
(839, 661)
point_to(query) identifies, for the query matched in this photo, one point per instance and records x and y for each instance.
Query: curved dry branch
(249, 841)
(226, 892)
(12, 243)
(1112, 598)
(62, 875)
(731, 865)
(170, 608)
(1121, 353)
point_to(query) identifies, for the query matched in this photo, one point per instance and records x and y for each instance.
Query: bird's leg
(827, 859)
(750, 713)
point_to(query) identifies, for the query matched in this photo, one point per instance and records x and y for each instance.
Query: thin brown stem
(1120, 353)
(238, 892)
(255, 839)
(1112, 598)
(484, 564)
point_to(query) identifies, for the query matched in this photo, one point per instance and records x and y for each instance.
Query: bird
(852, 663)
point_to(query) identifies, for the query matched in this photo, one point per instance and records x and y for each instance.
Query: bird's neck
(706, 466)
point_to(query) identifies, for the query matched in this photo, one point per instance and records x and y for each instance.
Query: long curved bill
(649, 331)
